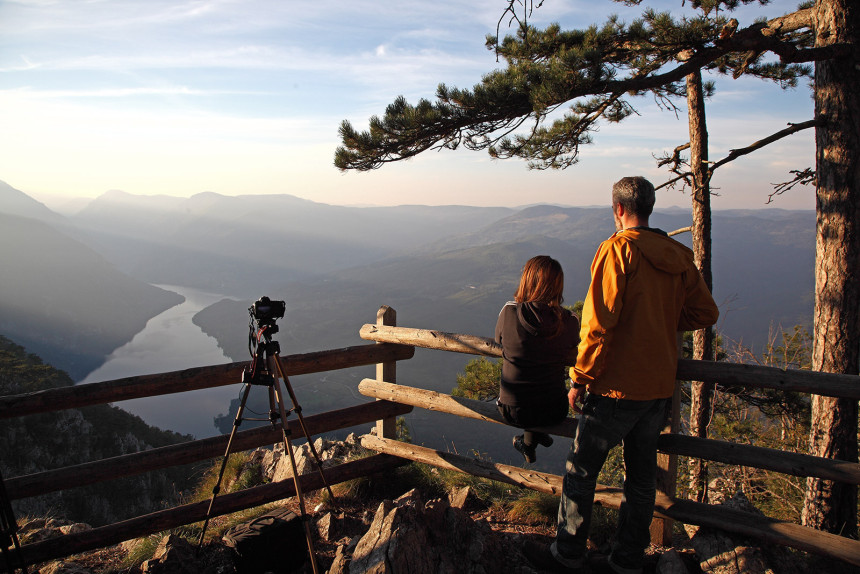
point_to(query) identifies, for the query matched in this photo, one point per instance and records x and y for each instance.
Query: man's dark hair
(636, 194)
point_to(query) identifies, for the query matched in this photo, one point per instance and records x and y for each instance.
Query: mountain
(61, 299)
(247, 244)
(449, 268)
(16, 202)
(762, 259)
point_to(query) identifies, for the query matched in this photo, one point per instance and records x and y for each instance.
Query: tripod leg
(288, 446)
(298, 409)
(9, 542)
(217, 488)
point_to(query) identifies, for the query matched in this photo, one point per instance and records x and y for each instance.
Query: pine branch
(549, 68)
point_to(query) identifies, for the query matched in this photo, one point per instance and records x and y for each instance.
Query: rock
(278, 467)
(174, 555)
(670, 562)
(449, 540)
(331, 526)
(737, 560)
(341, 561)
(62, 567)
(325, 527)
(40, 529)
(463, 498)
(721, 552)
(75, 528)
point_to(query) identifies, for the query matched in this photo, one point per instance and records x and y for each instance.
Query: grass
(239, 473)
(534, 508)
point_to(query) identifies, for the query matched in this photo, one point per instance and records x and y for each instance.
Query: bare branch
(528, 9)
(801, 177)
(671, 183)
(680, 231)
(736, 153)
(675, 158)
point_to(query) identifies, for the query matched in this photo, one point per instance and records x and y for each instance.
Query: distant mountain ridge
(251, 243)
(449, 268)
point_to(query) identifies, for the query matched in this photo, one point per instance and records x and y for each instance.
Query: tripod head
(263, 315)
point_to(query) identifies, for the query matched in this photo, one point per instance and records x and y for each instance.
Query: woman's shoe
(543, 439)
(528, 452)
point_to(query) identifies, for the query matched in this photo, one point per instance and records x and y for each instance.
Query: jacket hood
(661, 251)
(537, 318)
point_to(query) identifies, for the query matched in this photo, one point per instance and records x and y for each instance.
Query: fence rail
(708, 449)
(194, 451)
(394, 344)
(725, 374)
(192, 380)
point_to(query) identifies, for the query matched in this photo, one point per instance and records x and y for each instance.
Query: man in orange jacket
(645, 289)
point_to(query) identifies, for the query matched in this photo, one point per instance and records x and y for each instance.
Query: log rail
(392, 344)
(722, 374)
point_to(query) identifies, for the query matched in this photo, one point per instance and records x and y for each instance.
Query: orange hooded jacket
(644, 289)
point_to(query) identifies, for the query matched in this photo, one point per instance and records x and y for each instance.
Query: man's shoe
(541, 557)
(599, 564)
(528, 452)
(602, 564)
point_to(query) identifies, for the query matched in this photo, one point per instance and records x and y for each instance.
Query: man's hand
(576, 396)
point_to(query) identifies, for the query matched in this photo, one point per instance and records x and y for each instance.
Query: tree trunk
(703, 339)
(831, 505)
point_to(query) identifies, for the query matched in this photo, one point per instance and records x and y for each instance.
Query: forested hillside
(41, 442)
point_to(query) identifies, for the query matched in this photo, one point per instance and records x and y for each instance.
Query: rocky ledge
(409, 534)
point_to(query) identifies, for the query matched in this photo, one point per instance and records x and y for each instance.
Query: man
(644, 289)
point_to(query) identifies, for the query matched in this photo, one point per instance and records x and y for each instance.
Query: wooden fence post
(386, 428)
(667, 473)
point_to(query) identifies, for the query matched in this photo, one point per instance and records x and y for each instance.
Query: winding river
(172, 342)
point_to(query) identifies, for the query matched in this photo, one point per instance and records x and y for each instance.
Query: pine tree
(600, 70)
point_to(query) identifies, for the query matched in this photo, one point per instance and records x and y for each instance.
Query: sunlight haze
(182, 97)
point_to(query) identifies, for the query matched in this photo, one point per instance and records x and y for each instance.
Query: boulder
(449, 541)
(74, 528)
(174, 555)
(63, 567)
(670, 562)
(463, 498)
(277, 467)
(721, 552)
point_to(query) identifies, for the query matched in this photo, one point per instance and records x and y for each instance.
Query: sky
(179, 97)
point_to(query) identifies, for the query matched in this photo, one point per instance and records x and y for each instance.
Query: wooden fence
(394, 344)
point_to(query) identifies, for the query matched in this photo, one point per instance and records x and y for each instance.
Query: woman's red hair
(542, 281)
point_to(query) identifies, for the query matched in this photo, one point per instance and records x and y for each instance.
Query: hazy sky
(237, 97)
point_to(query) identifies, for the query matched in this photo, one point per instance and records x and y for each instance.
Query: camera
(266, 312)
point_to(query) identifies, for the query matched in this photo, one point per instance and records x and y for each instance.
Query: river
(172, 342)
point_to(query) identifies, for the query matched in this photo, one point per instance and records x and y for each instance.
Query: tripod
(9, 532)
(266, 370)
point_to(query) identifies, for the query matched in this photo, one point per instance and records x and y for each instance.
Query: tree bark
(703, 339)
(832, 505)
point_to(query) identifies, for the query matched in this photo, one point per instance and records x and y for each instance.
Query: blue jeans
(604, 424)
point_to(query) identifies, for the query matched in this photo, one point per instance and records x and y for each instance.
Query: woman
(538, 337)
